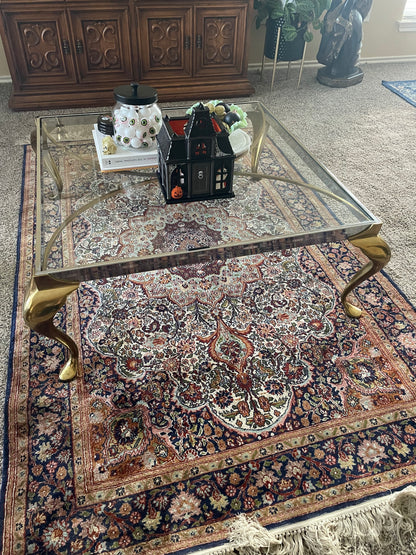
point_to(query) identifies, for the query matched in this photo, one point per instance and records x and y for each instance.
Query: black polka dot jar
(137, 118)
(288, 51)
(272, 30)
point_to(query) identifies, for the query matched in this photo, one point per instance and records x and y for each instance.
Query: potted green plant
(295, 19)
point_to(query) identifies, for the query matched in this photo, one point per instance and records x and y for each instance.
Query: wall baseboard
(389, 59)
(314, 63)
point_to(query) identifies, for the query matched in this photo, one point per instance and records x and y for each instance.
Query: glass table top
(93, 224)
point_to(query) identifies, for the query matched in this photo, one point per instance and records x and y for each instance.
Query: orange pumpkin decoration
(177, 192)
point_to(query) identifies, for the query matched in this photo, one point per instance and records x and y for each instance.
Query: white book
(123, 158)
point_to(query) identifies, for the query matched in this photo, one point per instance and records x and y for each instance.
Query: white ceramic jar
(137, 118)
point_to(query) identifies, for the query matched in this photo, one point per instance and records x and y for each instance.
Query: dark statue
(340, 46)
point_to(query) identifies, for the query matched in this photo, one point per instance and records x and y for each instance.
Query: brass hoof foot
(378, 253)
(352, 311)
(44, 297)
(69, 371)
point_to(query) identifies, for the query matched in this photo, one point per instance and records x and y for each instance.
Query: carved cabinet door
(165, 42)
(41, 53)
(219, 41)
(101, 40)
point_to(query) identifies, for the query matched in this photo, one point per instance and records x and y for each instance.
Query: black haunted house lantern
(196, 160)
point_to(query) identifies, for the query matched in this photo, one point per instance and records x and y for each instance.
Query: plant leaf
(289, 32)
(276, 13)
(308, 36)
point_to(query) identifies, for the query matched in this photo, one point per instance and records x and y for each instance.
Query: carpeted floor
(365, 135)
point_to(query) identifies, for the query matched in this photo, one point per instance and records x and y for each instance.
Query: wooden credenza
(73, 53)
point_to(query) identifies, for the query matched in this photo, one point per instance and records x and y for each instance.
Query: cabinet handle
(199, 41)
(65, 47)
(79, 46)
(187, 44)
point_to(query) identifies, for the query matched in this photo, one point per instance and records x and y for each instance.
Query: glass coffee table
(93, 225)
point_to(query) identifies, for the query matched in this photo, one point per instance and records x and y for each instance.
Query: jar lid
(135, 94)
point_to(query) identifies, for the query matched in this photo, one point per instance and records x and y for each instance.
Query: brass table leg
(44, 297)
(48, 160)
(378, 253)
(260, 128)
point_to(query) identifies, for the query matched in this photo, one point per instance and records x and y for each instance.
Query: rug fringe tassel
(381, 525)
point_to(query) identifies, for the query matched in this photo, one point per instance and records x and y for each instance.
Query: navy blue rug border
(5, 473)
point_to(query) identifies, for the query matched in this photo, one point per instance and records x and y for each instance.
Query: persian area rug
(405, 89)
(208, 394)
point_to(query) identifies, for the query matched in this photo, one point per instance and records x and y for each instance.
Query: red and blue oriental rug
(206, 392)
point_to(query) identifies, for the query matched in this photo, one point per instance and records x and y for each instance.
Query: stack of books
(123, 158)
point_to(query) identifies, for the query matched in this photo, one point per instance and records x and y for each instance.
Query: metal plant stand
(275, 59)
